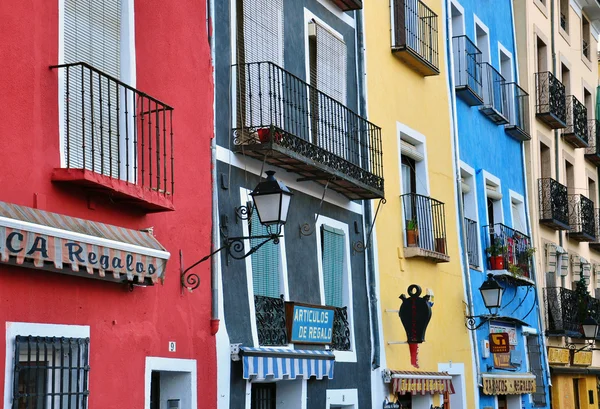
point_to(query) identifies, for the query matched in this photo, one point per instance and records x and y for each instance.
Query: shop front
(419, 389)
(507, 389)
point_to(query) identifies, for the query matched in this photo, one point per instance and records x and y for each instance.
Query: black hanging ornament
(415, 314)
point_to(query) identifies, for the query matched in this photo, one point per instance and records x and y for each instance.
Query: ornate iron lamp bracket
(471, 321)
(360, 246)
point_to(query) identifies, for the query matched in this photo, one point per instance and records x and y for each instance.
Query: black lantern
(272, 201)
(491, 292)
(589, 327)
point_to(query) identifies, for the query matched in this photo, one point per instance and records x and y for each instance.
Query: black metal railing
(585, 48)
(416, 28)
(115, 130)
(581, 218)
(562, 311)
(553, 204)
(425, 223)
(518, 109)
(512, 246)
(472, 243)
(576, 131)
(550, 102)
(595, 244)
(274, 106)
(563, 21)
(270, 320)
(495, 101)
(592, 152)
(467, 65)
(341, 330)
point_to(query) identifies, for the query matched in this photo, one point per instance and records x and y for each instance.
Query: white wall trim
(310, 188)
(416, 138)
(503, 50)
(478, 23)
(495, 181)
(340, 356)
(519, 200)
(40, 330)
(461, 10)
(335, 10)
(344, 397)
(171, 365)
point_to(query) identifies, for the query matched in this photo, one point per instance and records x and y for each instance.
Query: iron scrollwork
(341, 330)
(553, 202)
(270, 320)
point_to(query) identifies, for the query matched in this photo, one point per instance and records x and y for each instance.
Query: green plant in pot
(412, 233)
(496, 255)
(524, 258)
(515, 270)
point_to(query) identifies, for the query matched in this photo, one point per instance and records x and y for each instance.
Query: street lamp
(491, 292)
(271, 199)
(589, 328)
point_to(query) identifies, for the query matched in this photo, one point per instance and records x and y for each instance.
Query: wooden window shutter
(265, 262)
(333, 243)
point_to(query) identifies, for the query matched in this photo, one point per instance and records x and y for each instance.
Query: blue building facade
(491, 120)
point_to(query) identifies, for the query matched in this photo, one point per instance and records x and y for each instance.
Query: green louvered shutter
(333, 265)
(265, 262)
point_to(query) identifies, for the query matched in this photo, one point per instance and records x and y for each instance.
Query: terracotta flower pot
(497, 262)
(440, 245)
(412, 237)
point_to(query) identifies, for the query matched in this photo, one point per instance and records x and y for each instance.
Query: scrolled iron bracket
(471, 321)
(359, 246)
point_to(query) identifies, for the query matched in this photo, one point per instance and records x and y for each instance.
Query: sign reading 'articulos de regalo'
(508, 386)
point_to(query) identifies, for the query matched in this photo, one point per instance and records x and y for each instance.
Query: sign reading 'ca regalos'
(45, 250)
(309, 324)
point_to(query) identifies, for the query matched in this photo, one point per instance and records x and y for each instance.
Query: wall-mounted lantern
(491, 292)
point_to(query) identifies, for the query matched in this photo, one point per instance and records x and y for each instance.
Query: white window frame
(477, 23)
(494, 181)
(459, 398)
(244, 199)
(461, 11)
(342, 397)
(171, 365)
(340, 356)
(299, 382)
(407, 134)
(502, 50)
(518, 200)
(473, 205)
(128, 65)
(38, 330)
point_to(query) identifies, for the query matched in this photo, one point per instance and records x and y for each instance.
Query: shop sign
(582, 358)
(390, 405)
(508, 386)
(502, 361)
(499, 343)
(559, 356)
(422, 386)
(511, 331)
(309, 324)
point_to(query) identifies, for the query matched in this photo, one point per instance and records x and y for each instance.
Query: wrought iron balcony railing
(581, 218)
(467, 70)
(508, 249)
(553, 204)
(518, 112)
(288, 123)
(595, 245)
(416, 36)
(550, 102)
(472, 243)
(562, 312)
(592, 152)
(425, 227)
(115, 130)
(576, 132)
(271, 324)
(495, 101)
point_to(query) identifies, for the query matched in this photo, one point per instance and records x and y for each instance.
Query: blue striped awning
(284, 363)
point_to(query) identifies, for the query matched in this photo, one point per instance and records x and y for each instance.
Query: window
(518, 214)
(470, 213)
(542, 56)
(545, 161)
(458, 20)
(564, 15)
(169, 380)
(588, 101)
(482, 40)
(50, 372)
(566, 78)
(264, 396)
(585, 37)
(333, 243)
(266, 262)
(260, 31)
(570, 176)
(592, 191)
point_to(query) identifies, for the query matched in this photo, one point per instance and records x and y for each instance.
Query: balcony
(550, 103)
(285, 122)
(272, 329)
(416, 36)
(509, 254)
(576, 132)
(467, 71)
(495, 102)
(348, 5)
(581, 218)
(116, 141)
(592, 152)
(472, 242)
(425, 228)
(518, 112)
(595, 245)
(562, 310)
(553, 204)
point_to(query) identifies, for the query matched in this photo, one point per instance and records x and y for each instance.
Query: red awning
(417, 382)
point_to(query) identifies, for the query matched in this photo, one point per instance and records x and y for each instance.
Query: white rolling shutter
(331, 64)
(263, 31)
(92, 34)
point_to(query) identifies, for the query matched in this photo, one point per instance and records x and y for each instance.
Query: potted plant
(524, 258)
(515, 270)
(496, 255)
(412, 233)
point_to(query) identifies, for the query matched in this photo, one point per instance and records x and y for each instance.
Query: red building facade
(105, 178)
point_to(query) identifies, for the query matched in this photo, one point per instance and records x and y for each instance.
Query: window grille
(50, 372)
(333, 244)
(263, 396)
(536, 366)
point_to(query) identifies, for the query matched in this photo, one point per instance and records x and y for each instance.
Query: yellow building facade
(416, 230)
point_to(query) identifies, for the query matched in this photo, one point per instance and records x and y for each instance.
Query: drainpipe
(556, 134)
(214, 272)
(370, 259)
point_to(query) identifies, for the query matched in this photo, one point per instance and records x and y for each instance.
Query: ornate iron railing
(550, 102)
(553, 204)
(581, 218)
(274, 107)
(472, 243)
(425, 222)
(592, 152)
(562, 311)
(595, 244)
(115, 130)
(270, 320)
(416, 28)
(563, 21)
(513, 246)
(341, 330)
(518, 111)
(495, 101)
(576, 131)
(467, 65)
(585, 48)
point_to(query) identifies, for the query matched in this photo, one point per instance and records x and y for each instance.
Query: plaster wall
(563, 392)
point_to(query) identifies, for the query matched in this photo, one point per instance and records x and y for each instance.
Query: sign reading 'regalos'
(309, 324)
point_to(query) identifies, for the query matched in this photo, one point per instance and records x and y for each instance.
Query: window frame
(342, 397)
(178, 365)
(518, 200)
(486, 52)
(473, 207)
(340, 356)
(493, 181)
